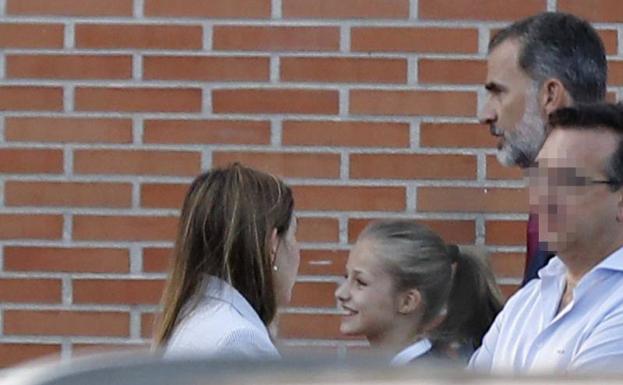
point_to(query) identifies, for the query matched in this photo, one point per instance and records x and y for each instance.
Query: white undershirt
(411, 352)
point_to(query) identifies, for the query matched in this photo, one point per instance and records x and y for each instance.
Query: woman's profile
(235, 261)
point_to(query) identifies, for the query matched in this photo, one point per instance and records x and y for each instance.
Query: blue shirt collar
(555, 266)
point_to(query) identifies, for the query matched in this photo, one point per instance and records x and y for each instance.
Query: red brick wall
(366, 107)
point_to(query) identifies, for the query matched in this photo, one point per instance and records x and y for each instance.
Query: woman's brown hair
(225, 228)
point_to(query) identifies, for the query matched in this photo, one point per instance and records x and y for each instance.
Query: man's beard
(522, 145)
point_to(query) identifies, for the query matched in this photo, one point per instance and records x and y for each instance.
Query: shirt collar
(219, 290)
(613, 262)
(411, 352)
(556, 267)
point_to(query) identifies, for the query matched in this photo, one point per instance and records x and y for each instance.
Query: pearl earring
(275, 268)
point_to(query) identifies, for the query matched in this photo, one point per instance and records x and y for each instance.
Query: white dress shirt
(222, 325)
(411, 352)
(587, 335)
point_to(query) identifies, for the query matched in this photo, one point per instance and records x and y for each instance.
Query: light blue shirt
(587, 335)
(222, 325)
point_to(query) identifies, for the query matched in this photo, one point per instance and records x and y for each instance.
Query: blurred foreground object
(145, 369)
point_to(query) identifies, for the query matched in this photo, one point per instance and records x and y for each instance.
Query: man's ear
(274, 244)
(553, 95)
(409, 301)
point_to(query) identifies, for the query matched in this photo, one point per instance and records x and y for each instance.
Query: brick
(156, 259)
(66, 323)
(68, 130)
(345, 133)
(12, 354)
(134, 36)
(138, 99)
(412, 166)
(496, 171)
(124, 228)
(349, 198)
(311, 326)
(206, 68)
(313, 294)
(31, 226)
(275, 101)
(63, 194)
(446, 71)
(423, 40)
(30, 290)
(346, 9)
(66, 259)
(387, 102)
(230, 9)
(69, 67)
(207, 131)
(608, 11)
(477, 200)
(343, 70)
(109, 291)
(31, 35)
(611, 41)
(137, 162)
(317, 230)
(323, 262)
(31, 98)
(163, 195)
(275, 38)
(507, 265)
(615, 72)
(455, 135)
(480, 9)
(506, 233)
(31, 161)
(147, 325)
(508, 290)
(356, 226)
(289, 165)
(70, 7)
(456, 231)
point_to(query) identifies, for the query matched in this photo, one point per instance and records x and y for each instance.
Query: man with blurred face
(535, 66)
(571, 318)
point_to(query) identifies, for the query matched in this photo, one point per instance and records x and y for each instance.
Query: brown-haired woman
(236, 260)
(413, 296)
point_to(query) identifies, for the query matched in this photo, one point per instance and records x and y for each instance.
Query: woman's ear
(274, 244)
(409, 301)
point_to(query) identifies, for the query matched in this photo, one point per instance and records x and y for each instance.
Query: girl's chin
(349, 330)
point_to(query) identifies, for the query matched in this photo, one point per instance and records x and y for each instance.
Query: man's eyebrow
(494, 87)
